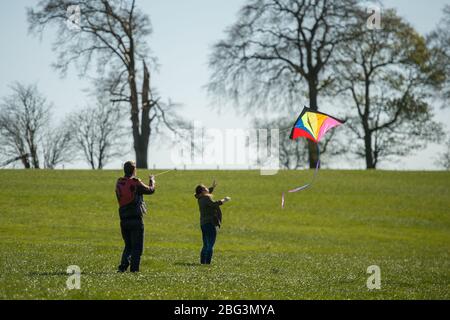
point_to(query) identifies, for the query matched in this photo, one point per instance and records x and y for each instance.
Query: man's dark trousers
(133, 236)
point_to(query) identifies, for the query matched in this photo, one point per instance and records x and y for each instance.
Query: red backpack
(126, 190)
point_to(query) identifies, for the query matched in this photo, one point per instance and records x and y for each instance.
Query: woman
(210, 219)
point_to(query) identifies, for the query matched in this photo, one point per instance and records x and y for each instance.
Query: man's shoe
(121, 269)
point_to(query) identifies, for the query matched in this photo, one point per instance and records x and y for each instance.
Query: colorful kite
(312, 125)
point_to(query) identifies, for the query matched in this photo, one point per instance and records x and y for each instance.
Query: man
(129, 192)
(210, 219)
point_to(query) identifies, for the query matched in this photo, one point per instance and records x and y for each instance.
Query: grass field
(319, 246)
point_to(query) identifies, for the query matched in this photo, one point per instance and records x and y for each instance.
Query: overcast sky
(183, 34)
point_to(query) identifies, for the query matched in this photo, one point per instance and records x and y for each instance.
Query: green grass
(319, 246)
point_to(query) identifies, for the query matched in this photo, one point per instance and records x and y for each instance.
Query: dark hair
(199, 189)
(128, 168)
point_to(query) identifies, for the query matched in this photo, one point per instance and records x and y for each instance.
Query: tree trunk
(312, 148)
(25, 161)
(370, 164)
(140, 147)
(33, 148)
(145, 118)
(140, 127)
(34, 157)
(141, 155)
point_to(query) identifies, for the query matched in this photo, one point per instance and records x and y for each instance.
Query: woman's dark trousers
(209, 233)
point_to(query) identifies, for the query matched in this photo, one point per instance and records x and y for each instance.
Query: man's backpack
(131, 202)
(126, 190)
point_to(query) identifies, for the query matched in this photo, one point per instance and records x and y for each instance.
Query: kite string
(314, 176)
(308, 184)
(158, 174)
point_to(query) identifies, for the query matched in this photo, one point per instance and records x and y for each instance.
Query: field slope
(319, 246)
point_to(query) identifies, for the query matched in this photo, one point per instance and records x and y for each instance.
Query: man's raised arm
(147, 189)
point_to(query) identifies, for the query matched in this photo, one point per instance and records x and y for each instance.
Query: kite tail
(308, 184)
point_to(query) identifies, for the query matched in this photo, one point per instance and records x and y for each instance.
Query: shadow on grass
(187, 264)
(62, 273)
(55, 273)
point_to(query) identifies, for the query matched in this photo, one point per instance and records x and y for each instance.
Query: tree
(275, 48)
(98, 133)
(24, 115)
(112, 32)
(439, 42)
(57, 146)
(388, 74)
(444, 158)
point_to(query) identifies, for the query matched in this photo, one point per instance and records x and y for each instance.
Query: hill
(319, 246)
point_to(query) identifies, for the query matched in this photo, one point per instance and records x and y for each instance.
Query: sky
(183, 33)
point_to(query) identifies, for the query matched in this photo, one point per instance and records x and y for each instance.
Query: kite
(312, 125)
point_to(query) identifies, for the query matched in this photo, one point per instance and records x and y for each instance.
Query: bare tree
(114, 33)
(98, 133)
(276, 50)
(387, 75)
(57, 146)
(23, 117)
